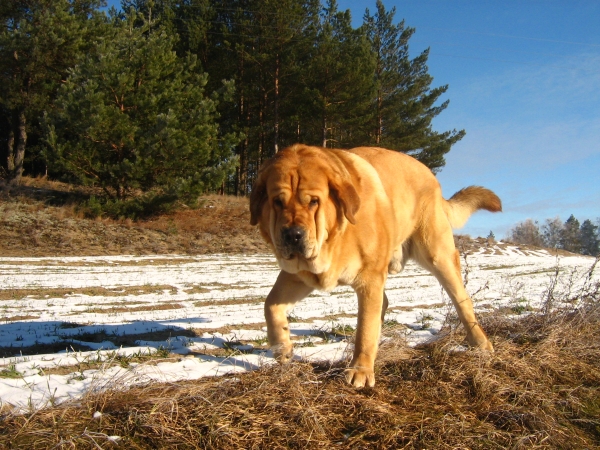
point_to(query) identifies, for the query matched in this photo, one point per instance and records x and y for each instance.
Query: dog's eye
(278, 202)
(314, 202)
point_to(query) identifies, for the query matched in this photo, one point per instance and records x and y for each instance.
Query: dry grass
(165, 306)
(540, 389)
(118, 291)
(41, 218)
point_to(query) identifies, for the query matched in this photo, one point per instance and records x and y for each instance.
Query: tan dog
(349, 217)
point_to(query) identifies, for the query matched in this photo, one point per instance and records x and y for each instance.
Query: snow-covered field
(209, 310)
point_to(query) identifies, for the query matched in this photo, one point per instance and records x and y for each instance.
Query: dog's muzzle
(294, 241)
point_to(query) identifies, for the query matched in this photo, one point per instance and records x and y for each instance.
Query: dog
(350, 217)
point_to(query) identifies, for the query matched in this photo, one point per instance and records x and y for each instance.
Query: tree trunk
(324, 129)
(262, 141)
(378, 75)
(244, 117)
(19, 154)
(276, 119)
(243, 169)
(379, 118)
(10, 163)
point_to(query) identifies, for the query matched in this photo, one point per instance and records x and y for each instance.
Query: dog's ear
(346, 197)
(258, 197)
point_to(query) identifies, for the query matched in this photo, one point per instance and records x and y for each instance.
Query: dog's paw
(283, 353)
(360, 377)
(487, 346)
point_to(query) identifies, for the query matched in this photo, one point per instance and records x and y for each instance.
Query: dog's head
(302, 198)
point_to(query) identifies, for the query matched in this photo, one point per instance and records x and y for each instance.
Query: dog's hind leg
(287, 291)
(384, 308)
(437, 254)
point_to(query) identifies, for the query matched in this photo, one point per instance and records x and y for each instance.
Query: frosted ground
(208, 310)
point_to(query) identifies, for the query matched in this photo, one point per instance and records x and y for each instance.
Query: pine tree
(39, 41)
(339, 81)
(304, 74)
(135, 118)
(264, 46)
(405, 103)
(570, 236)
(588, 237)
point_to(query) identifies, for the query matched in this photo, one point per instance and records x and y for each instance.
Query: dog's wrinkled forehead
(296, 175)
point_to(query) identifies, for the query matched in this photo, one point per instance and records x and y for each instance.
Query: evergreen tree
(194, 22)
(135, 118)
(39, 41)
(570, 236)
(302, 72)
(272, 41)
(405, 103)
(264, 46)
(340, 82)
(588, 236)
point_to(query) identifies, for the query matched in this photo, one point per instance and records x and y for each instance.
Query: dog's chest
(328, 280)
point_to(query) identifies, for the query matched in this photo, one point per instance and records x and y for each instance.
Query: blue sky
(524, 79)
(524, 82)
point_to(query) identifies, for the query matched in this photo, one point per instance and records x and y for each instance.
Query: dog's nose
(293, 235)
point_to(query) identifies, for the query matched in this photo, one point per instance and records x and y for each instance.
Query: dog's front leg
(370, 305)
(287, 291)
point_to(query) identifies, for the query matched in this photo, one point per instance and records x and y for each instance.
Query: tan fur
(351, 217)
(468, 200)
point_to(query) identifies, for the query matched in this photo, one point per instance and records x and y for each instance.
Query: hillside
(41, 218)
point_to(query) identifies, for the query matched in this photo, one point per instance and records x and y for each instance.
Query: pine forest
(162, 100)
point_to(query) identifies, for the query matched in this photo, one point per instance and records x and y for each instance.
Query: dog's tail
(468, 200)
